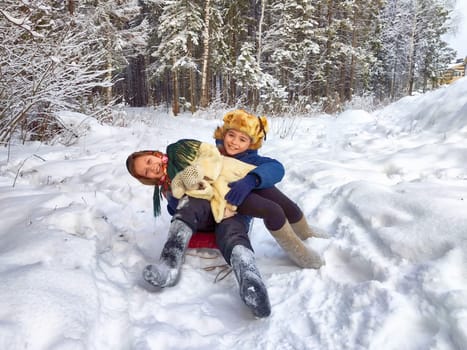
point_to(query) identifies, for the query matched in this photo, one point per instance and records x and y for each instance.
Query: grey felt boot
(253, 292)
(166, 272)
(305, 231)
(294, 247)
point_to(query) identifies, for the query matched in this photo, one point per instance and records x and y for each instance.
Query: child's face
(149, 166)
(236, 142)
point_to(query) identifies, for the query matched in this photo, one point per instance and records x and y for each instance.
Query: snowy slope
(389, 187)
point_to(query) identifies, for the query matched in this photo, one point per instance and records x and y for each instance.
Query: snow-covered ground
(390, 188)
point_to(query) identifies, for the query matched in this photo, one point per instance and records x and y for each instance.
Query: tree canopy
(268, 56)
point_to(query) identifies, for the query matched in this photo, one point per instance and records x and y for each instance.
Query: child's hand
(240, 189)
(229, 211)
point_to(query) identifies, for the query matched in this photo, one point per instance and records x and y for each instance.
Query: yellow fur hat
(255, 127)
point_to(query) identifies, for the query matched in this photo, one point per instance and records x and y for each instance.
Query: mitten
(240, 189)
(192, 176)
(177, 186)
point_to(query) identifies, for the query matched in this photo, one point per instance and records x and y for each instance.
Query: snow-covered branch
(21, 22)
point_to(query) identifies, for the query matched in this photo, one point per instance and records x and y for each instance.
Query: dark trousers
(271, 205)
(197, 214)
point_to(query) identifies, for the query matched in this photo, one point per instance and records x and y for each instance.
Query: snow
(388, 186)
(21, 22)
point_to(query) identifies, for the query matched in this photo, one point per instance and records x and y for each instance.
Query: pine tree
(413, 48)
(122, 30)
(180, 31)
(363, 26)
(289, 43)
(238, 30)
(214, 48)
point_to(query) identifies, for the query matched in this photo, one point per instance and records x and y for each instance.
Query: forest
(276, 56)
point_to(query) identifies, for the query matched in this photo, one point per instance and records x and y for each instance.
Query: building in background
(453, 72)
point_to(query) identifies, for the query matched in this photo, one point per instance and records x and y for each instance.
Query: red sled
(200, 240)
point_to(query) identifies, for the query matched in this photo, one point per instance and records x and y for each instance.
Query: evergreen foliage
(267, 56)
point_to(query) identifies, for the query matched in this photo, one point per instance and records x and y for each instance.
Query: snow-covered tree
(363, 27)
(58, 54)
(180, 32)
(255, 84)
(48, 62)
(289, 42)
(239, 30)
(429, 53)
(269, 55)
(214, 48)
(122, 29)
(413, 48)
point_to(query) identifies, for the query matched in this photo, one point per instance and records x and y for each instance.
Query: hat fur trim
(255, 127)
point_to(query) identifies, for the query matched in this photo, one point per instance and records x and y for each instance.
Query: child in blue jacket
(255, 195)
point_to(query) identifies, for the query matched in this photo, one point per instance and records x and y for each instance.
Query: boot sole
(255, 296)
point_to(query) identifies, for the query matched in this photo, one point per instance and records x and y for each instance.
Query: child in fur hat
(255, 195)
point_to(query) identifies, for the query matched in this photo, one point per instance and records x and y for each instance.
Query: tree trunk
(191, 79)
(353, 62)
(136, 92)
(71, 7)
(392, 91)
(260, 31)
(204, 72)
(412, 55)
(330, 38)
(192, 91)
(343, 79)
(175, 91)
(108, 89)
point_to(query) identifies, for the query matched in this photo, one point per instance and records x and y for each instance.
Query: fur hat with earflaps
(255, 127)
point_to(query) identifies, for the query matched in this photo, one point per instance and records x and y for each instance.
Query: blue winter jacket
(268, 170)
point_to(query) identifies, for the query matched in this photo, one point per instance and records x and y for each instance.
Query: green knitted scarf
(181, 154)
